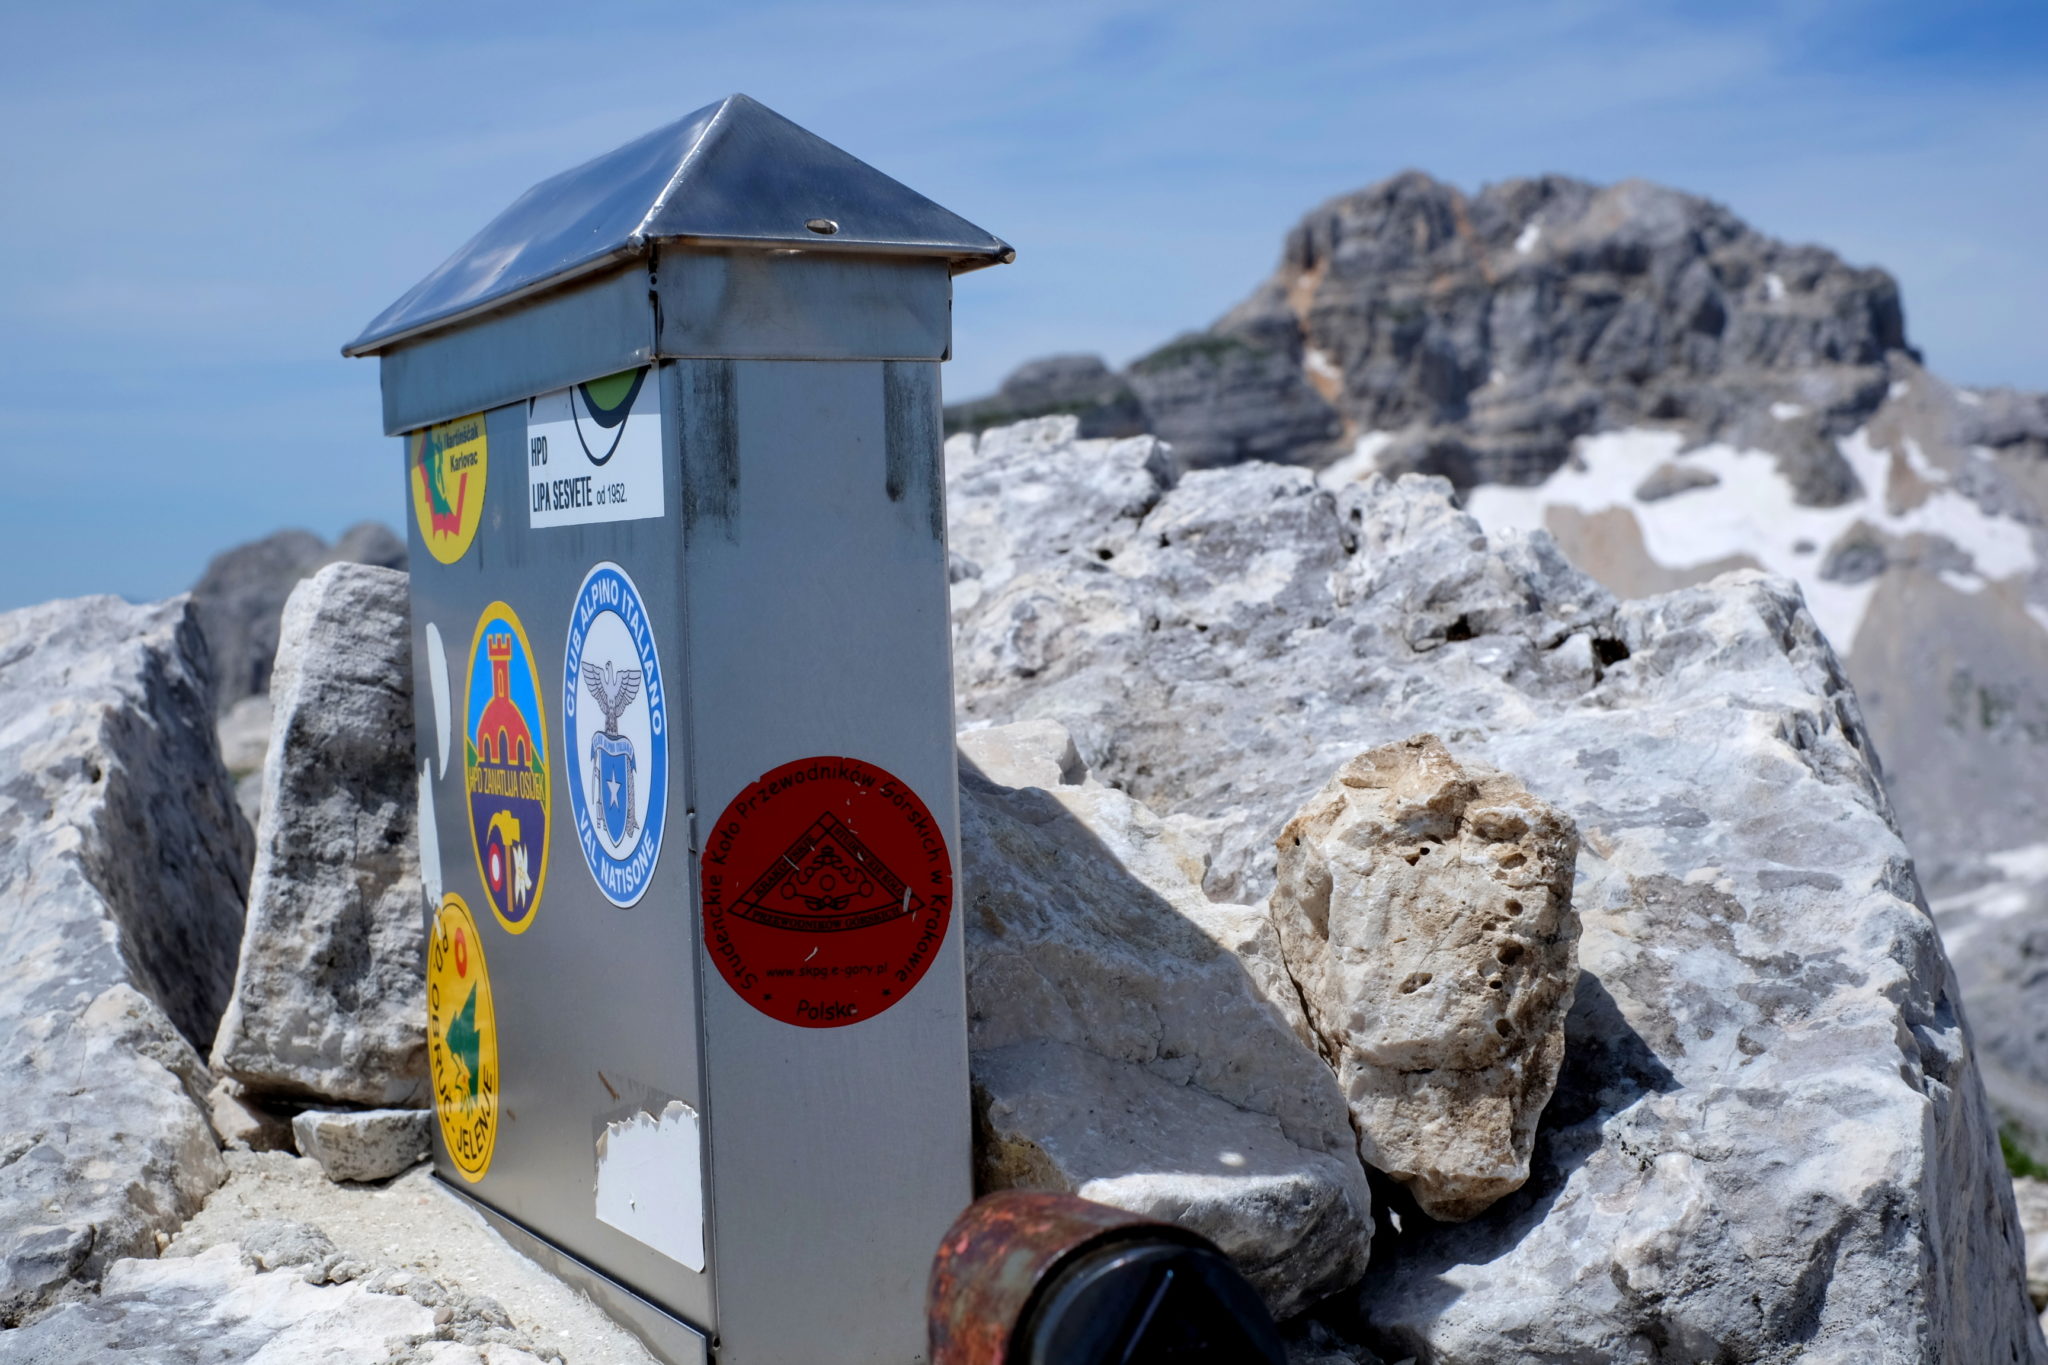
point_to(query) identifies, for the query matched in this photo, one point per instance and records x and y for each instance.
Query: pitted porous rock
(1424, 908)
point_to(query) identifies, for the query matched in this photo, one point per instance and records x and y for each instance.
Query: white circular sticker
(615, 732)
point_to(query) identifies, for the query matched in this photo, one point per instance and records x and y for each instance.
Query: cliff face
(1480, 334)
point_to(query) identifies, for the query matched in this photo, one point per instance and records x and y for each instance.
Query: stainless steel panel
(803, 305)
(816, 587)
(732, 173)
(603, 326)
(596, 1005)
(672, 1341)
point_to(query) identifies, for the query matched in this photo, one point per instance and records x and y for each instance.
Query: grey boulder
(330, 997)
(1133, 1041)
(1769, 1139)
(2032, 1197)
(241, 596)
(242, 1123)
(217, 1308)
(122, 872)
(365, 1144)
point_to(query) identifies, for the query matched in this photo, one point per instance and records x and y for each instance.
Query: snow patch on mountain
(1751, 513)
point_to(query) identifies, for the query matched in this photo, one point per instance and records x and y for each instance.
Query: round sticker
(462, 1039)
(446, 465)
(601, 408)
(827, 890)
(505, 768)
(615, 731)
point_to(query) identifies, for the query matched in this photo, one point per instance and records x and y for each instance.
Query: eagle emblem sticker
(446, 465)
(505, 768)
(615, 732)
(462, 1039)
(827, 890)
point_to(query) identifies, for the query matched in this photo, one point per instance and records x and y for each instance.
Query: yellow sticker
(462, 1039)
(446, 465)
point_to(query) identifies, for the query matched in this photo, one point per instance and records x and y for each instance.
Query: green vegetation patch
(977, 417)
(2017, 1163)
(1195, 346)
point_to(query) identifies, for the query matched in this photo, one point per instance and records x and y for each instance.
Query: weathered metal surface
(597, 1015)
(732, 174)
(791, 557)
(668, 1338)
(999, 1253)
(818, 625)
(561, 339)
(1027, 1278)
(802, 306)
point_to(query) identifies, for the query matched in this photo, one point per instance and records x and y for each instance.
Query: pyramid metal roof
(733, 174)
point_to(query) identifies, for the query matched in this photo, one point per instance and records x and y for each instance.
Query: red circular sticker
(827, 890)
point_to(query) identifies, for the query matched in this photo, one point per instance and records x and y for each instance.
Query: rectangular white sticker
(650, 1182)
(593, 451)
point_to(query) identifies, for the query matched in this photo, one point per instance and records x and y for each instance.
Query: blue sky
(203, 202)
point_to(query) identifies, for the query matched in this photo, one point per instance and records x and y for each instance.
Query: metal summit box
(688, 813)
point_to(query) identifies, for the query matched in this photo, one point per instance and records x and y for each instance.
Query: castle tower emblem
(505, 767)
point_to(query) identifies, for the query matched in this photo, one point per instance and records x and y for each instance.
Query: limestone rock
(1477, 335)
(242, 1123)
(1029, 474)
(241, 596)
(244, 743)
(1101, 401)
(1058, 1117)
(215, 1308)
(245, 736)
(1137, 1043)
(1245, 393)
(1031, 753)
(1997, 935)
(329, 1000)
(1668, 480)
(122, 874)
(409, 1239)
(1425, 910)
(2032, 1198)
(1310, 1342)
(365, 1144)
(1769, 1139)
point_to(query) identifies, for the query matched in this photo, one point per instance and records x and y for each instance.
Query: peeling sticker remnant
(430, 839)
(437, 679)
(650, 1182)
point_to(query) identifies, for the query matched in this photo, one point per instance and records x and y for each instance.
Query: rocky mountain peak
(1477, 336)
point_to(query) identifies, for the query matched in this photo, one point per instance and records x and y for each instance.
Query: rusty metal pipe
(1029, 1278)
